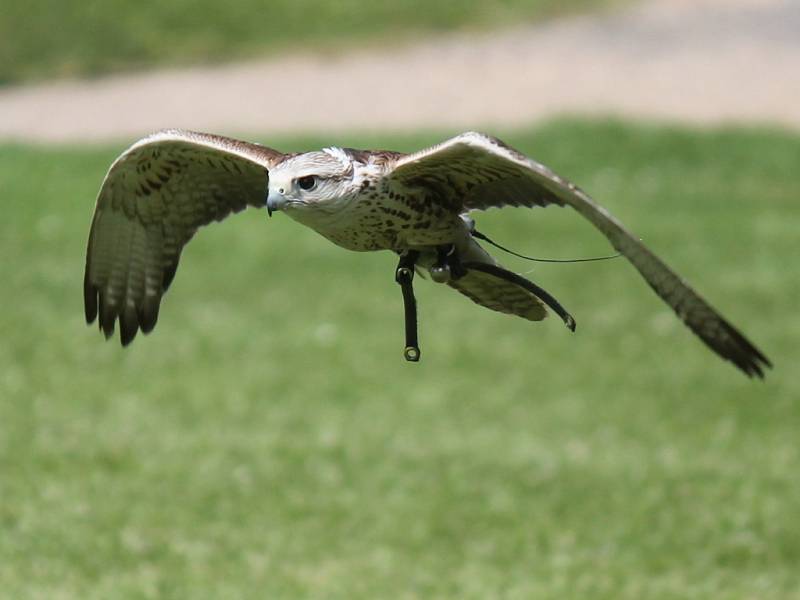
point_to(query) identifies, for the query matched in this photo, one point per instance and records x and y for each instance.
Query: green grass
(43, 38)
(268, 440)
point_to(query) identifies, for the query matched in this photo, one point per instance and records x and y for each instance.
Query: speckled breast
(386, 217)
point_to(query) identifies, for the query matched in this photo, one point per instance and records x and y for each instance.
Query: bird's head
(318, 180)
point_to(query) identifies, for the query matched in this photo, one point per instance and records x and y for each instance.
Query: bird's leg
(448, 264)
(440, 271)
(404, 275)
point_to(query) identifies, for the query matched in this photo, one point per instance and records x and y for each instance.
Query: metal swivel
(440, 271)
(404, 275)
(411, 353)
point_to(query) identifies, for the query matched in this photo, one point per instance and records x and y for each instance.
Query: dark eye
(308, 182)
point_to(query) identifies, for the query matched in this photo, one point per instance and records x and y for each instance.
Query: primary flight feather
(164, 187)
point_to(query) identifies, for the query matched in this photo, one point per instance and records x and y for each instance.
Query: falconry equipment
(164, 187)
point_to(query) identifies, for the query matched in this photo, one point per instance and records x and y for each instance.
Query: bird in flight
(166, 186)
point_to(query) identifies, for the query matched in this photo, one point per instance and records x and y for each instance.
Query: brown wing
(153, 199)
(476, 171)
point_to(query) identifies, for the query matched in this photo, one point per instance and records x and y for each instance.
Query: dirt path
(704, 61)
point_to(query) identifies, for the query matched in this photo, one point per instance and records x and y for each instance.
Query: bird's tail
(489, 289)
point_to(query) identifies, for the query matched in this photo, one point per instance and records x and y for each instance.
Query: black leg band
(404, 275)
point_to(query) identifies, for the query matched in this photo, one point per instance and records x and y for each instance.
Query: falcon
(161, 190)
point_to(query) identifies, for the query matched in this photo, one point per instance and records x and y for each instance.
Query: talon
(411, 353)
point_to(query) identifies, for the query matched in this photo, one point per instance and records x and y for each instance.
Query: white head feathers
(340, 155)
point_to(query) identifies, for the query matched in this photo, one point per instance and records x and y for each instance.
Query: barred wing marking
(476, 171)
(499, 295)
(152, 201)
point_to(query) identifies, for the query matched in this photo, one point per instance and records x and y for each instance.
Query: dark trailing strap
(404, 275)
(524, 283)
(485, 238)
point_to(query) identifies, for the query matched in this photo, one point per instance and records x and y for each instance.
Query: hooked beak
(275, 201)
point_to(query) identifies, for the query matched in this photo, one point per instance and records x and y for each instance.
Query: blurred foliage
(268, 440)
(46, 38)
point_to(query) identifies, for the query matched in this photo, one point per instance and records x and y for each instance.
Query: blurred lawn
(44, 38)
(268, 440)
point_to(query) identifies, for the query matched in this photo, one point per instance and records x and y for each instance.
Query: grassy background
(268, 439)
(43, 38)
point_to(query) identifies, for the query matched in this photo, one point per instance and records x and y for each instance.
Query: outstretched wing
(476, 171)
(153, 199)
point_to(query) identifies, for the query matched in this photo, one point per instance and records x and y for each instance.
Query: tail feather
(492, 291)
(500, 295)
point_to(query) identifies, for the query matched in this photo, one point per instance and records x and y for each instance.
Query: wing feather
(476, 171)
(152, 201)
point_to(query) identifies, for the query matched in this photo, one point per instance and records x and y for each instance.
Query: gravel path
(700, 61)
